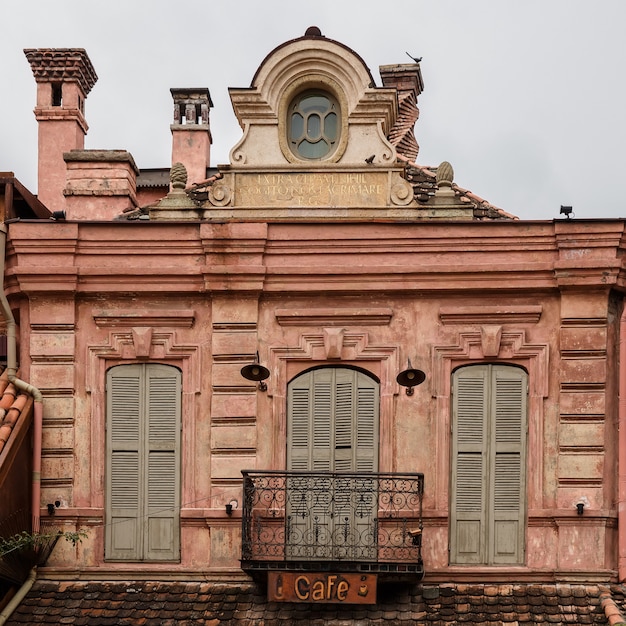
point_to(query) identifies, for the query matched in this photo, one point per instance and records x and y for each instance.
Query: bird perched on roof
(416, 59)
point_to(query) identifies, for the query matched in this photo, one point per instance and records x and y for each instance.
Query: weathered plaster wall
(205, 297)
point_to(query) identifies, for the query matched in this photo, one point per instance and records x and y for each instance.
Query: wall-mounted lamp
(231, 506)
(567, 211)
(58, 216)
(52, 507)
(410, 378)
(580, 508)
(257, 372)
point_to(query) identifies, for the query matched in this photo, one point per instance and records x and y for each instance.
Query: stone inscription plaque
(312, 189)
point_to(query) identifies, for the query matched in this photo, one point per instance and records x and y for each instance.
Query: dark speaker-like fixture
(257, 372)
(410, 378)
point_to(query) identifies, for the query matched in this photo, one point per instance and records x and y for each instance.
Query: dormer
(314, 146)
(313, 102)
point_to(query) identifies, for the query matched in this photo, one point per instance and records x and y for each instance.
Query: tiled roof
(422, 177)
(12, 403)
(402, 135)
(424, 181)
(211, 604)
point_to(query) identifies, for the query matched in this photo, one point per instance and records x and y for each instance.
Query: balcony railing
(332, 521)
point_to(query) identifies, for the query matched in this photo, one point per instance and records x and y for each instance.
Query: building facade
(416, 385)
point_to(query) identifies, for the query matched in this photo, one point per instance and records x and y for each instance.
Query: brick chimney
(64, 77)
(407, 80)
(191, 133)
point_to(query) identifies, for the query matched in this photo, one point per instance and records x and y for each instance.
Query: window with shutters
(143, 463)
(488, 481)
(332, 427)
(333, 421)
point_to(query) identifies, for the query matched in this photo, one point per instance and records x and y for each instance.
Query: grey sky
(524, 98)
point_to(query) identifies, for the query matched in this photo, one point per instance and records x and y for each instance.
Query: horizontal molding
(238, 389)
(233, 421)
(581, 387)
(53, 328)
(577, 418)
(334, 317)
(580, 482)
(233, 452)
(490, 314)
(585, 322)
(183, 318)
(234, 327)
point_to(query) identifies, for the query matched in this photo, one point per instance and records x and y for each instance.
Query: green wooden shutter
(322, 420)
(509, 485)
(332, 427)
(367, 412)
(469, 441)
(143, 473)
(124, 490)
(487, 510)
(333, 421)
(163, 475)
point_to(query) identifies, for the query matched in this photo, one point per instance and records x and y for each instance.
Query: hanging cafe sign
(321, 588)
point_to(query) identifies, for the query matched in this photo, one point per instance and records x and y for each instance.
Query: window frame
(319, 83)
(485, 527)
(146, 529)
(305, 136)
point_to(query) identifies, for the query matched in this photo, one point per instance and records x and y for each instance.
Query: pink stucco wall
(205, 297)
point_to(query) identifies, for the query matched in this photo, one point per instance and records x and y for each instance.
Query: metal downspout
(23, 386)
(621, 454)
(18, 597)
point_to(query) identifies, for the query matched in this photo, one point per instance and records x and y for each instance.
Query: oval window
(313, 125)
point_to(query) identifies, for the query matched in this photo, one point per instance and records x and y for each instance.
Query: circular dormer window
(314, 125)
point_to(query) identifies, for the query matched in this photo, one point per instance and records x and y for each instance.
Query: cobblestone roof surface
(211, 604)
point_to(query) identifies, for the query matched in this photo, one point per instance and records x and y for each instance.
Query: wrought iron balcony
(332, 521)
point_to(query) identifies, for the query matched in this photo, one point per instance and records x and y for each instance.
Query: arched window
(332, 427)
(314, 125)
(488, 485)
(333, 421)
(143, 463)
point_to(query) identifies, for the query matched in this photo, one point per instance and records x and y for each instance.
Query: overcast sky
(526, 98)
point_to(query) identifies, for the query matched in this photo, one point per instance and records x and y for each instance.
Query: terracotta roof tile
(136, 603)
(12, 405)
(424, 181)
(402, 135)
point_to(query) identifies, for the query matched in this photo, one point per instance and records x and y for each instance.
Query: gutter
(18, 597)
(621, 458)
(23, 386)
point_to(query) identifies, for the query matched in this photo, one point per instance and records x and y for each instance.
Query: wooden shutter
(333, 421)
(508, 445)
(162, 475)
(488, 465)
(469, 440)
(332, 427)
(143, 473)
(124, 491)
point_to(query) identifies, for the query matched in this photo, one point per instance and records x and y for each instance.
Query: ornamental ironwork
(341, 521)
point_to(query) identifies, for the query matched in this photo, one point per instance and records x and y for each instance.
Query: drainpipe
(18, 597)
(23, 386)
(621, 458)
